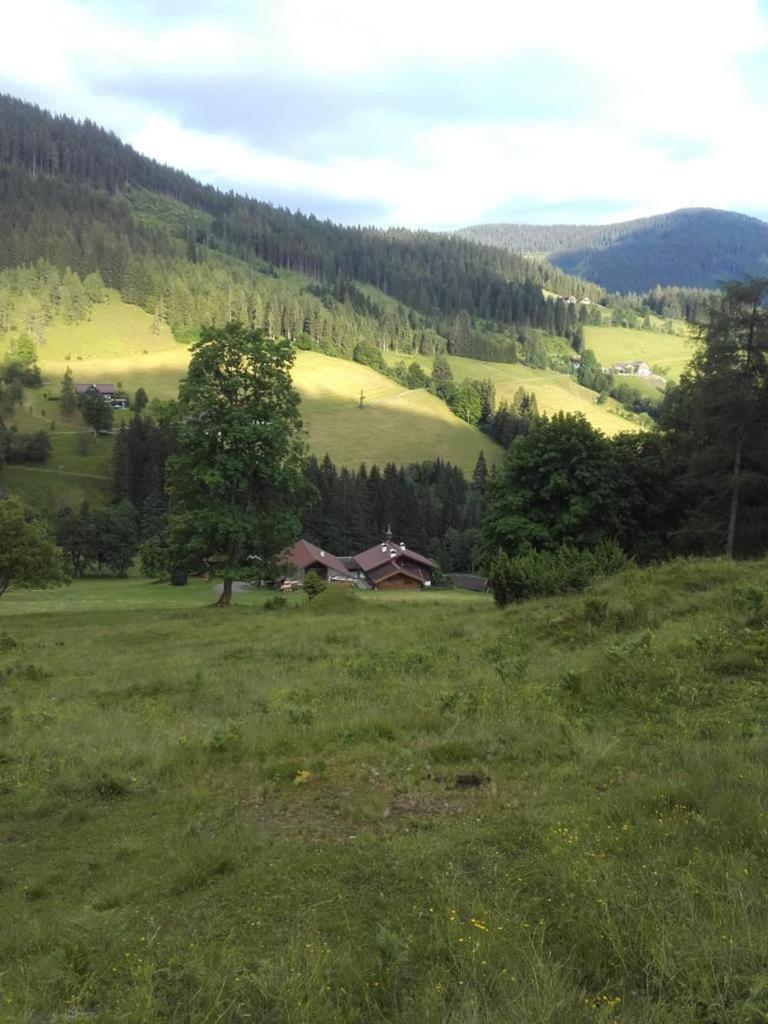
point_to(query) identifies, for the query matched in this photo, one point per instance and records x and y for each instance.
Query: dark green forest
(77, 197)
(695, 248)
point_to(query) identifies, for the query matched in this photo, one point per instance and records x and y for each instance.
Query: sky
(421, 113)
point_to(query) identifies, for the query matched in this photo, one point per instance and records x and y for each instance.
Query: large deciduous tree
(236, 483)
(96, 412)
(558, 486)
(29, 560)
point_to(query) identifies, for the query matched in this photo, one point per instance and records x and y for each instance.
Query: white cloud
(667, 71)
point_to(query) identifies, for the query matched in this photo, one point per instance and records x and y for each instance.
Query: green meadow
(623, 344)
(554, 391)
(386, 807)
(118, 345)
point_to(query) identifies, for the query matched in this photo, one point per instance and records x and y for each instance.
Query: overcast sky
(421, 112)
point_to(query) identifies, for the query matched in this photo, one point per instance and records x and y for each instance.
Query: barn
(308, 557)
(390, 566)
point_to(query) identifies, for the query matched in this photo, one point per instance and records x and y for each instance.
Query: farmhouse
(386, 566)
(637, 368)
(390, 566)
(310, 558)
(107, 391)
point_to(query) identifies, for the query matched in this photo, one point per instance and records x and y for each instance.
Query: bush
(543, 573)
(26, 447)
(371, 356)
(313, 585)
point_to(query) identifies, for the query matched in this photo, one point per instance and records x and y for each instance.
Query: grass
(554, 391)
(622, 344)
(416, 808)
(118, 345)
(394, 425)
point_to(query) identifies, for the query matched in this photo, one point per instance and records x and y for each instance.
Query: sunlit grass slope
(118, 345)
(394, 424)
(392, 809)
(554, 391)
(622, 344)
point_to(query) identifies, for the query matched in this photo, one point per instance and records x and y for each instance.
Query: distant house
(107, 391)
(586, 301)
(637, 368)
(571, 300)
(387, 566)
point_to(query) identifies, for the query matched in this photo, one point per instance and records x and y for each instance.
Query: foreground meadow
(386, 807)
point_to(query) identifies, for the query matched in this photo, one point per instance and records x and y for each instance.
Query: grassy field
(117, 345)
(410, 808)
(621, 344)
(555, 813)
(394, 425)
(554, 391)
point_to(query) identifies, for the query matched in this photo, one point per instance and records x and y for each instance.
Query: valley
(374, 649)
(120, 344)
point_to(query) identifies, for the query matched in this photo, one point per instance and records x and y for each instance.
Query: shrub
(543, 573)
(276, 603)
(371, 356)
(313, 585)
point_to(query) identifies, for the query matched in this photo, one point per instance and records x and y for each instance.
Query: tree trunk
(731, 539)
(225, 598)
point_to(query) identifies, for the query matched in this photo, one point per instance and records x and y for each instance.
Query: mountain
(111, 263)
(77, 196)
(694, 248)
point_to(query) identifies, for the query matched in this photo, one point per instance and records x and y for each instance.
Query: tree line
(78, 197)
(698, 485)
(231, 485)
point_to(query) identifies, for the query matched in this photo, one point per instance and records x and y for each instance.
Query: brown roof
(103, 389)
(386, 552)
(395, 568)
(303, 554)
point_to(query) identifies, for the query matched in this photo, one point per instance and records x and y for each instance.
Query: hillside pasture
(118, 345)
(623, 344)
(551, 813)
(394, 424)
(554, 392)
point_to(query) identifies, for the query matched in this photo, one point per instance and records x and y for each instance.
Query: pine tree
(480, 474)
(68, 400)
(442, 377)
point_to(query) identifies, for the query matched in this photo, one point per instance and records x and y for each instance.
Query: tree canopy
(29, 560)
(236, 482)
(557, 486)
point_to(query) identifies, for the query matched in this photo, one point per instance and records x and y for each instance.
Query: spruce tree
(442, 377)
(68, 400)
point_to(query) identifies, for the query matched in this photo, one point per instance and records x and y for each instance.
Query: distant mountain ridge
(695, 248)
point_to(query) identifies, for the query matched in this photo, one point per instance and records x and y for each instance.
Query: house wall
(399, 583)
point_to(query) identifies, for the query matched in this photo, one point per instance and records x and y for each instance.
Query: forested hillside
(189, 254)
(695, 248)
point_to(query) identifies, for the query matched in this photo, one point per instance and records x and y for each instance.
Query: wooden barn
(390, 566)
